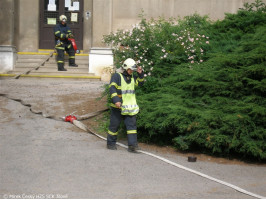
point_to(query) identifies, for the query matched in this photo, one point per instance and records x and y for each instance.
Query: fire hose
(75, 120)
(82, 126)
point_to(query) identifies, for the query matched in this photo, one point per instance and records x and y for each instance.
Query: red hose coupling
(70, 118)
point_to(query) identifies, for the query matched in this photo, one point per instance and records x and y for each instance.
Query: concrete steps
(44, 64)
(77, 60)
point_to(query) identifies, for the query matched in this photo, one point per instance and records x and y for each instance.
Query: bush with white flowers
(154, 43)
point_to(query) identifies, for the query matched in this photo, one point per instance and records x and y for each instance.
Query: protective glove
(71, 36)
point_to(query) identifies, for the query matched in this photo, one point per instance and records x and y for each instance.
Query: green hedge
(205, 85)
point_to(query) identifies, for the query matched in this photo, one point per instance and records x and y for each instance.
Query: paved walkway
(44, 158)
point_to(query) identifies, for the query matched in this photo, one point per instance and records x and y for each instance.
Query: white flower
(191, 39)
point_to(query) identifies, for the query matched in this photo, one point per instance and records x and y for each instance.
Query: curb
(51, 76)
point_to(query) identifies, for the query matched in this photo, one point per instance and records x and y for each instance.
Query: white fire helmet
(129, 64)
(63, 18)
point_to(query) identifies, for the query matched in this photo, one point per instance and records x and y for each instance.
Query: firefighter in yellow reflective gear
(62, 32)
(124, 105)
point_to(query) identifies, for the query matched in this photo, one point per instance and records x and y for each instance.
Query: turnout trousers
(61, 54)
(130, 123)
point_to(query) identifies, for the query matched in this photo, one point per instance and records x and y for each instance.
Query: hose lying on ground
(89, 115)
(44, 114)
(82, 126)
(87, 129)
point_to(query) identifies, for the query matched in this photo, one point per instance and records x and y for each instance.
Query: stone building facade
(26, 25)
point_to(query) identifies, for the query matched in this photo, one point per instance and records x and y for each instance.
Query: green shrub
(215, 104)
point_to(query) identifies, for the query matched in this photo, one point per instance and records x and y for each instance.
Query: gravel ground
(45, 158)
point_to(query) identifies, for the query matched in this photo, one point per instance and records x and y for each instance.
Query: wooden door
(50, 10)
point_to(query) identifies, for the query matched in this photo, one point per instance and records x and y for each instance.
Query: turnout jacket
(62, 32)
(115, 85)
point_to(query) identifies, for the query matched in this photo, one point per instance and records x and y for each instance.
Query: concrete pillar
(101, 59)
(28, 25)
(8, 58)
(101, 62)
(102, 21)
(87, 25)
(7, 32)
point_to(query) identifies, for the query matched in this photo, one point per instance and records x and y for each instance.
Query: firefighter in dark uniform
(62, 32)
(124, 105)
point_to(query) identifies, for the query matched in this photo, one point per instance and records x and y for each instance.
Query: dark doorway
(50, 10)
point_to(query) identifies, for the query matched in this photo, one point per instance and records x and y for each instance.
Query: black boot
(61, 67)
(73, 65)
(133, 148)
(111, 142)
(72, 62)
(132, 143)
(111, 147)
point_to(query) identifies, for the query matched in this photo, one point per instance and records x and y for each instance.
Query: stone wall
(122, 14)
(27, 33)
(7, 10)
(19, 19)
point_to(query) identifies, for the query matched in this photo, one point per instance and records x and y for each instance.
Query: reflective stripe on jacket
(115, 85)
(61, 33)
(129, 104)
